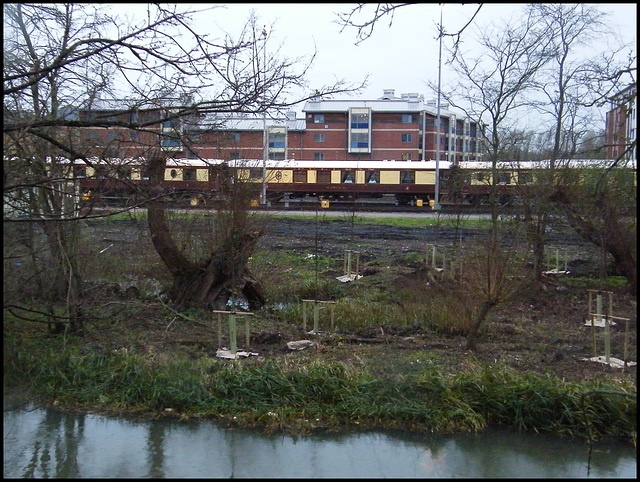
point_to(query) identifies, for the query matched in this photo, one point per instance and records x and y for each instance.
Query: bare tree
(492, 86)
(494, 273)
(491, 90)
(62, 58)
(570, 87)
(365, 16)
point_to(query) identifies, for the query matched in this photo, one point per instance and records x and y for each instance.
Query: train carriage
(406, 180)
(207, 181)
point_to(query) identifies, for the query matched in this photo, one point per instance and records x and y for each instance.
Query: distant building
(621, 125)
(390, 127)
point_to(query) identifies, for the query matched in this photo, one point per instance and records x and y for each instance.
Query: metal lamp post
(265, 137)
(436, 205)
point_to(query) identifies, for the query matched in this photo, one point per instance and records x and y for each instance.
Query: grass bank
(297, 396)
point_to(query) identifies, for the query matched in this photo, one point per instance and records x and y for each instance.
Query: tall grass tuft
(545, 403)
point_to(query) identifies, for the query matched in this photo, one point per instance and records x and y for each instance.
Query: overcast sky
(403, 56)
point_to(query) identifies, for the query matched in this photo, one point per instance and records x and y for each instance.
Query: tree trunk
(211, 282)
(65, 282)
(478, 320)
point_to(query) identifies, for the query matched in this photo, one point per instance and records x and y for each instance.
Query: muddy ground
(543, 332)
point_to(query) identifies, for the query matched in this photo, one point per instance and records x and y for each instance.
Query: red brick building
(621, 125)
(390, 127)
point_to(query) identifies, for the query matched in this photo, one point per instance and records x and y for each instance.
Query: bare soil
(543, 333)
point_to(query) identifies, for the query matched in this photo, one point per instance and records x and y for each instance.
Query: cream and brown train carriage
(475, 181)
(193, 181)
(407, 181)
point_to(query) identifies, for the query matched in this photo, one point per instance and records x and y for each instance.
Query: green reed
(299, 396)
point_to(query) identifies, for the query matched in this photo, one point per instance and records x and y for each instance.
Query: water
(48, 444)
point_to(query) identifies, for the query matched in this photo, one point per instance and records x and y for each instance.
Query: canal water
(49, 444)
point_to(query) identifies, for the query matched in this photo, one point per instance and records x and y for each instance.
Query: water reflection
(42, 443)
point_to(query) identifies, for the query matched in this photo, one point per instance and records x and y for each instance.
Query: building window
(234, 137)
(194, 137)
(277, 138)
(359, 140)
(318, 156)
(318, 118)
(318, 137)
(234, 155)
(170, 142)
(406, 138)
(408, 177)
(171, 124)
(407, 118)
(359, 121)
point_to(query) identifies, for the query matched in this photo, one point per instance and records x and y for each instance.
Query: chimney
(388, 94)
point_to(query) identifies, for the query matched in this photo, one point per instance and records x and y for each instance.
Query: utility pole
(436, 205)
(265, 136)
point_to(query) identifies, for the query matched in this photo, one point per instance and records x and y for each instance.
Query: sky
(402, 56)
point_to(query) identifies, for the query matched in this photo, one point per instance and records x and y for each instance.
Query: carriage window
(173, 173)
(324, 177)
(255, 173)
(189, 174)
(525, 178)
(479, 176)
(80, 171)
(123, 173)
(299, 176)
(373, 177)
(504, 178)
(408, 177)
(347, 177)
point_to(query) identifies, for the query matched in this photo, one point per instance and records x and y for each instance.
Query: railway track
(368, 206)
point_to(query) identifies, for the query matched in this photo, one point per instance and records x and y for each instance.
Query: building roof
(387, 103)
(251, 123)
